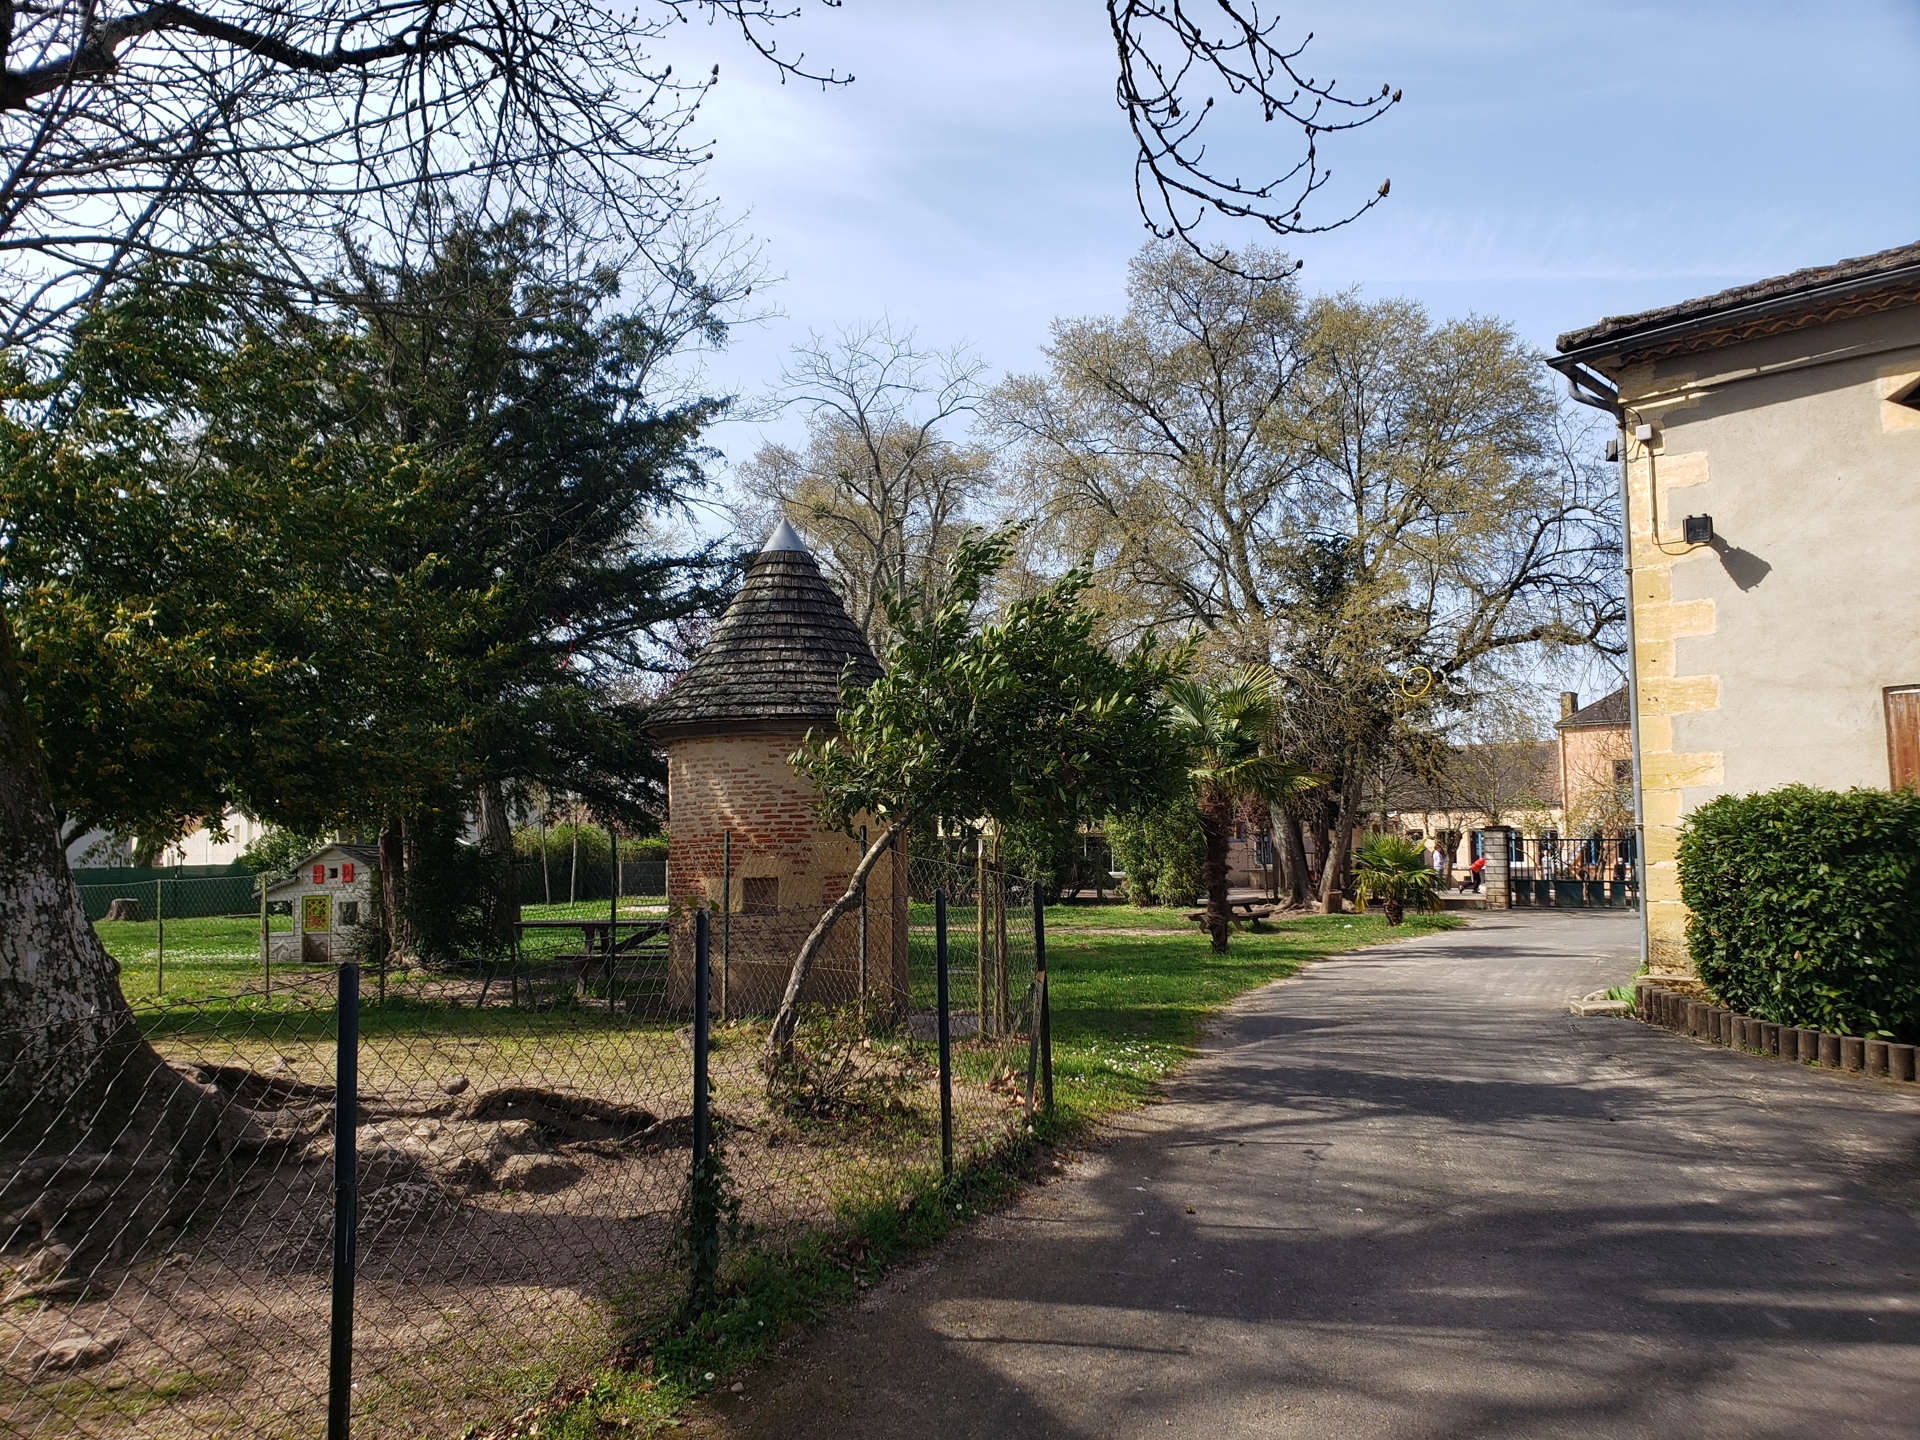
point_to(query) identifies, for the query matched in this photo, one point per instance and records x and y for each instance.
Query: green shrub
(1057, 856)
(1161, 851)
(1806, 906)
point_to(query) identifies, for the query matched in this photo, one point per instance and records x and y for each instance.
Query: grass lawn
(218, 956)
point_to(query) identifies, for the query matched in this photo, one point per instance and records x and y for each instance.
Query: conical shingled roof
(777, 656)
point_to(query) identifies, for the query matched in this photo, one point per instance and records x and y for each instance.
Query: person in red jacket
(1473, 873)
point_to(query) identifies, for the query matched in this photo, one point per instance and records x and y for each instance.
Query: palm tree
(1225, 727)
(1394, 871)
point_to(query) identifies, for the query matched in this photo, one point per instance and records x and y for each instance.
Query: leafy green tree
(507, 359)
(1394, 871)
(1027, 721)
(189, 507)
(1337, 488)
(365, 573)
(1226, 727)
(276, 850)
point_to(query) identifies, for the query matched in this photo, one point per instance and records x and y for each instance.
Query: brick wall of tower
(766, 889)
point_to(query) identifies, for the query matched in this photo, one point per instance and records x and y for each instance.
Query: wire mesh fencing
(196, 937)
(539, 1177)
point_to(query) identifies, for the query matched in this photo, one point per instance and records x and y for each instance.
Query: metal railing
(1591, 872)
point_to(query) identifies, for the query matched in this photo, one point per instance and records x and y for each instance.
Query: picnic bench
(632, 966)
(1239, 911)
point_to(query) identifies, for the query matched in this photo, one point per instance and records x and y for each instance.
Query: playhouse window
(349, 912)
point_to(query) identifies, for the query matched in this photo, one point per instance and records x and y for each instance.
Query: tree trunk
(1287, 827)
(499, 875)
(779, 1047)
(1396, 911)
(98, 1132)
(1216, 823)
(434, 885)
(393, 892)
(1341, 841)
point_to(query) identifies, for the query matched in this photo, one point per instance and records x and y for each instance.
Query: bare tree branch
(1170, 50)
(260, 134)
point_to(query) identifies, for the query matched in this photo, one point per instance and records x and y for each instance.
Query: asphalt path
(1406, 1194)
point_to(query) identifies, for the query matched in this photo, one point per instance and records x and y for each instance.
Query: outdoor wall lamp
(1697, 529)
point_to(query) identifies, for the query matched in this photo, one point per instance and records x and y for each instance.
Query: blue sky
(1552, 162)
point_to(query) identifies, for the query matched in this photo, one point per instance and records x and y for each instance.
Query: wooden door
(1903, 736)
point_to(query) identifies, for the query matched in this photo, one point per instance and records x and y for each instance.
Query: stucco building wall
(1762, 660)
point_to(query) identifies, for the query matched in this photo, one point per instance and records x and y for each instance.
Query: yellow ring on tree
(1416, 682)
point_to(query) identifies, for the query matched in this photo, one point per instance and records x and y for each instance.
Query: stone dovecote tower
(746, 840)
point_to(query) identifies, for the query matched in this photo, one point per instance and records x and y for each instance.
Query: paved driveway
(1404, 1194)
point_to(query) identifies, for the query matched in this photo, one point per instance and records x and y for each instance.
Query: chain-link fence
(564, 879)
(535, 1184)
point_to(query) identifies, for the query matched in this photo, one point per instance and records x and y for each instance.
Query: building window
(349, 912)
(1623, 772)
(1903, 736)
(760, 895)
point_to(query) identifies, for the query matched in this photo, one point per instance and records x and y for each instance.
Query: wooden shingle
(777, 657)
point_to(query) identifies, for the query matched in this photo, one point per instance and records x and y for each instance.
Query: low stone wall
(1689, 1015)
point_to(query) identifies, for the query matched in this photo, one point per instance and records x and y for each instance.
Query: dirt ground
(503, 1246)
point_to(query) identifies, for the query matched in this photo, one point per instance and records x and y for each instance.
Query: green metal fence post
(159, 937)
(703, 1209)
(944, 1031)
(346, 1087)
(613, 908)
(266, 941)
(981, 983)
(1046, 1010)
(863, 928)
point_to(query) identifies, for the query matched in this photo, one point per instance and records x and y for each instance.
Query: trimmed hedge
(1806, 907)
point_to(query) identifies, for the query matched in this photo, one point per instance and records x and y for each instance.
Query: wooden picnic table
(1239, 911)
(598, 932)
(602, 953)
